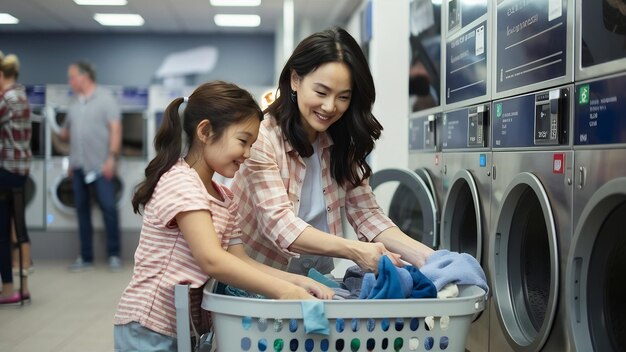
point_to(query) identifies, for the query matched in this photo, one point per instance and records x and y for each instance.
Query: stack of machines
(595, 262)
(35, 185)
(527, 107)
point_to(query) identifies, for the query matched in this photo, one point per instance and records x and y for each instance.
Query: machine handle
(581, 177)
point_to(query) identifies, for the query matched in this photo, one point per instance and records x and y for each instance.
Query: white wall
(389, 62)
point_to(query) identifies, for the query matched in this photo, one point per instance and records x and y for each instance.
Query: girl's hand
(368, 255)
(295, 292)
(317, 289)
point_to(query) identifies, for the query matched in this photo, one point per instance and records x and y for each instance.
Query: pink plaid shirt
(267, 190)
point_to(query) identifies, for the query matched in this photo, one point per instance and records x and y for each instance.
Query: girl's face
(323, 96)
(225, 155)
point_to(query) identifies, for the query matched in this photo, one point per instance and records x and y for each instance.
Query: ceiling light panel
(101, 2)
(6, 18)
(235, 2)
(118, 19)
(224, 20)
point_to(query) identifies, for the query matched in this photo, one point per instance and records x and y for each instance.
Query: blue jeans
(8, 181)
(105, 195)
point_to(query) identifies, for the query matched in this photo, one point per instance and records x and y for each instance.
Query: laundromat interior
(504, 137)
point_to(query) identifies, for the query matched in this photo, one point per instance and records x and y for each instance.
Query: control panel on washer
(538, 119)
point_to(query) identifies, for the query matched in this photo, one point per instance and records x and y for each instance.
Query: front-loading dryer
(466, 157)
(35, 191)
(530, 221)
(414, 206)
(596, 266)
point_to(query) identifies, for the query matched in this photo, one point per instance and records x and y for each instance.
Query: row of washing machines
(534, 186)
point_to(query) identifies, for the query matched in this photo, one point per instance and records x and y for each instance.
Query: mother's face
(323, 96)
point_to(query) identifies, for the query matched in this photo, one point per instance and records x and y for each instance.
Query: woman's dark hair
(222, 104)
(356, 131)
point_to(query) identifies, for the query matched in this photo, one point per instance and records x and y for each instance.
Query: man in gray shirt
(94, 130)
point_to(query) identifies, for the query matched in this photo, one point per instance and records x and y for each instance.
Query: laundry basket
(245, 324)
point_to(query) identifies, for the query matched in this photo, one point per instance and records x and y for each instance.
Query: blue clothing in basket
(314, 318)
(444, 267)
(394, 282)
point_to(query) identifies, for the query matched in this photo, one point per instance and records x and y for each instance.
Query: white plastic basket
(244, 324)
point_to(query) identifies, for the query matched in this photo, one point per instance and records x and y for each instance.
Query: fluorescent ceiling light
(118, 19)
(5, 18)
(235, 2)
(101, 2)
(237, 20)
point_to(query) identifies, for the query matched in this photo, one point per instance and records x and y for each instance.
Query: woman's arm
(312, 286)
(198, 230)
(412, 251)
(371, 223)
(364, 254)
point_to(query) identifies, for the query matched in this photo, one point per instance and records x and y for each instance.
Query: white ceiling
(173, 16)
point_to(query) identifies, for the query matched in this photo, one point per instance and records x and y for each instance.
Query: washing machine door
(62, 194)
(461, 217)
(596, 272)
(524, 264)
(413, 207)
(56, 119)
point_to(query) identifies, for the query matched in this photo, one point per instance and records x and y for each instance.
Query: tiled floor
(68, 313)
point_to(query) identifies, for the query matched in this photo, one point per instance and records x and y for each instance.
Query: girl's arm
(198, 230)
(312, 286)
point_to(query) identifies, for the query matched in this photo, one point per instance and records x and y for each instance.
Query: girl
(310, 163)
(188, 233)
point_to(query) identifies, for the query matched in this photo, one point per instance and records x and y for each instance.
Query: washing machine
(534, 46)
(531, 221)
(133, 102)
(594, 282)
(36, 183)
(468, 52)
(466, 160)
(414, 206)
(60, 204)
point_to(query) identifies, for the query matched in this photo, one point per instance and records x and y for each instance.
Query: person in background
(309, 164)
(94, 130)
(15, 156)
(189, 233)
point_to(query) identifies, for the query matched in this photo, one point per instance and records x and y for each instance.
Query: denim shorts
(135, 337)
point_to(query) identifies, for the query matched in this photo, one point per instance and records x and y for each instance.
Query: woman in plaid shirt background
(15, 155)
(309, 164)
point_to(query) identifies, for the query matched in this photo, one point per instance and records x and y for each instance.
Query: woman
(15, 155)
(309, 163)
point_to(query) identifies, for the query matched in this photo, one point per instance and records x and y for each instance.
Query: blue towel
(322, 279)
(444, 267)
(393, 282)
(314, 318)
(422, 286)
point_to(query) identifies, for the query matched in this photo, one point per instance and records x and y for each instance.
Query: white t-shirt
(312, 205)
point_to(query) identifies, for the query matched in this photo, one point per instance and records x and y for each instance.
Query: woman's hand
(368, 255)
(317, 289)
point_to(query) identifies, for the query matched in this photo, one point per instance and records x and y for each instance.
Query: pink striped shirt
(163, 258)
(267, 190)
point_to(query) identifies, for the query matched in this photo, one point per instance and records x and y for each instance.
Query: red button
(558, 163)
